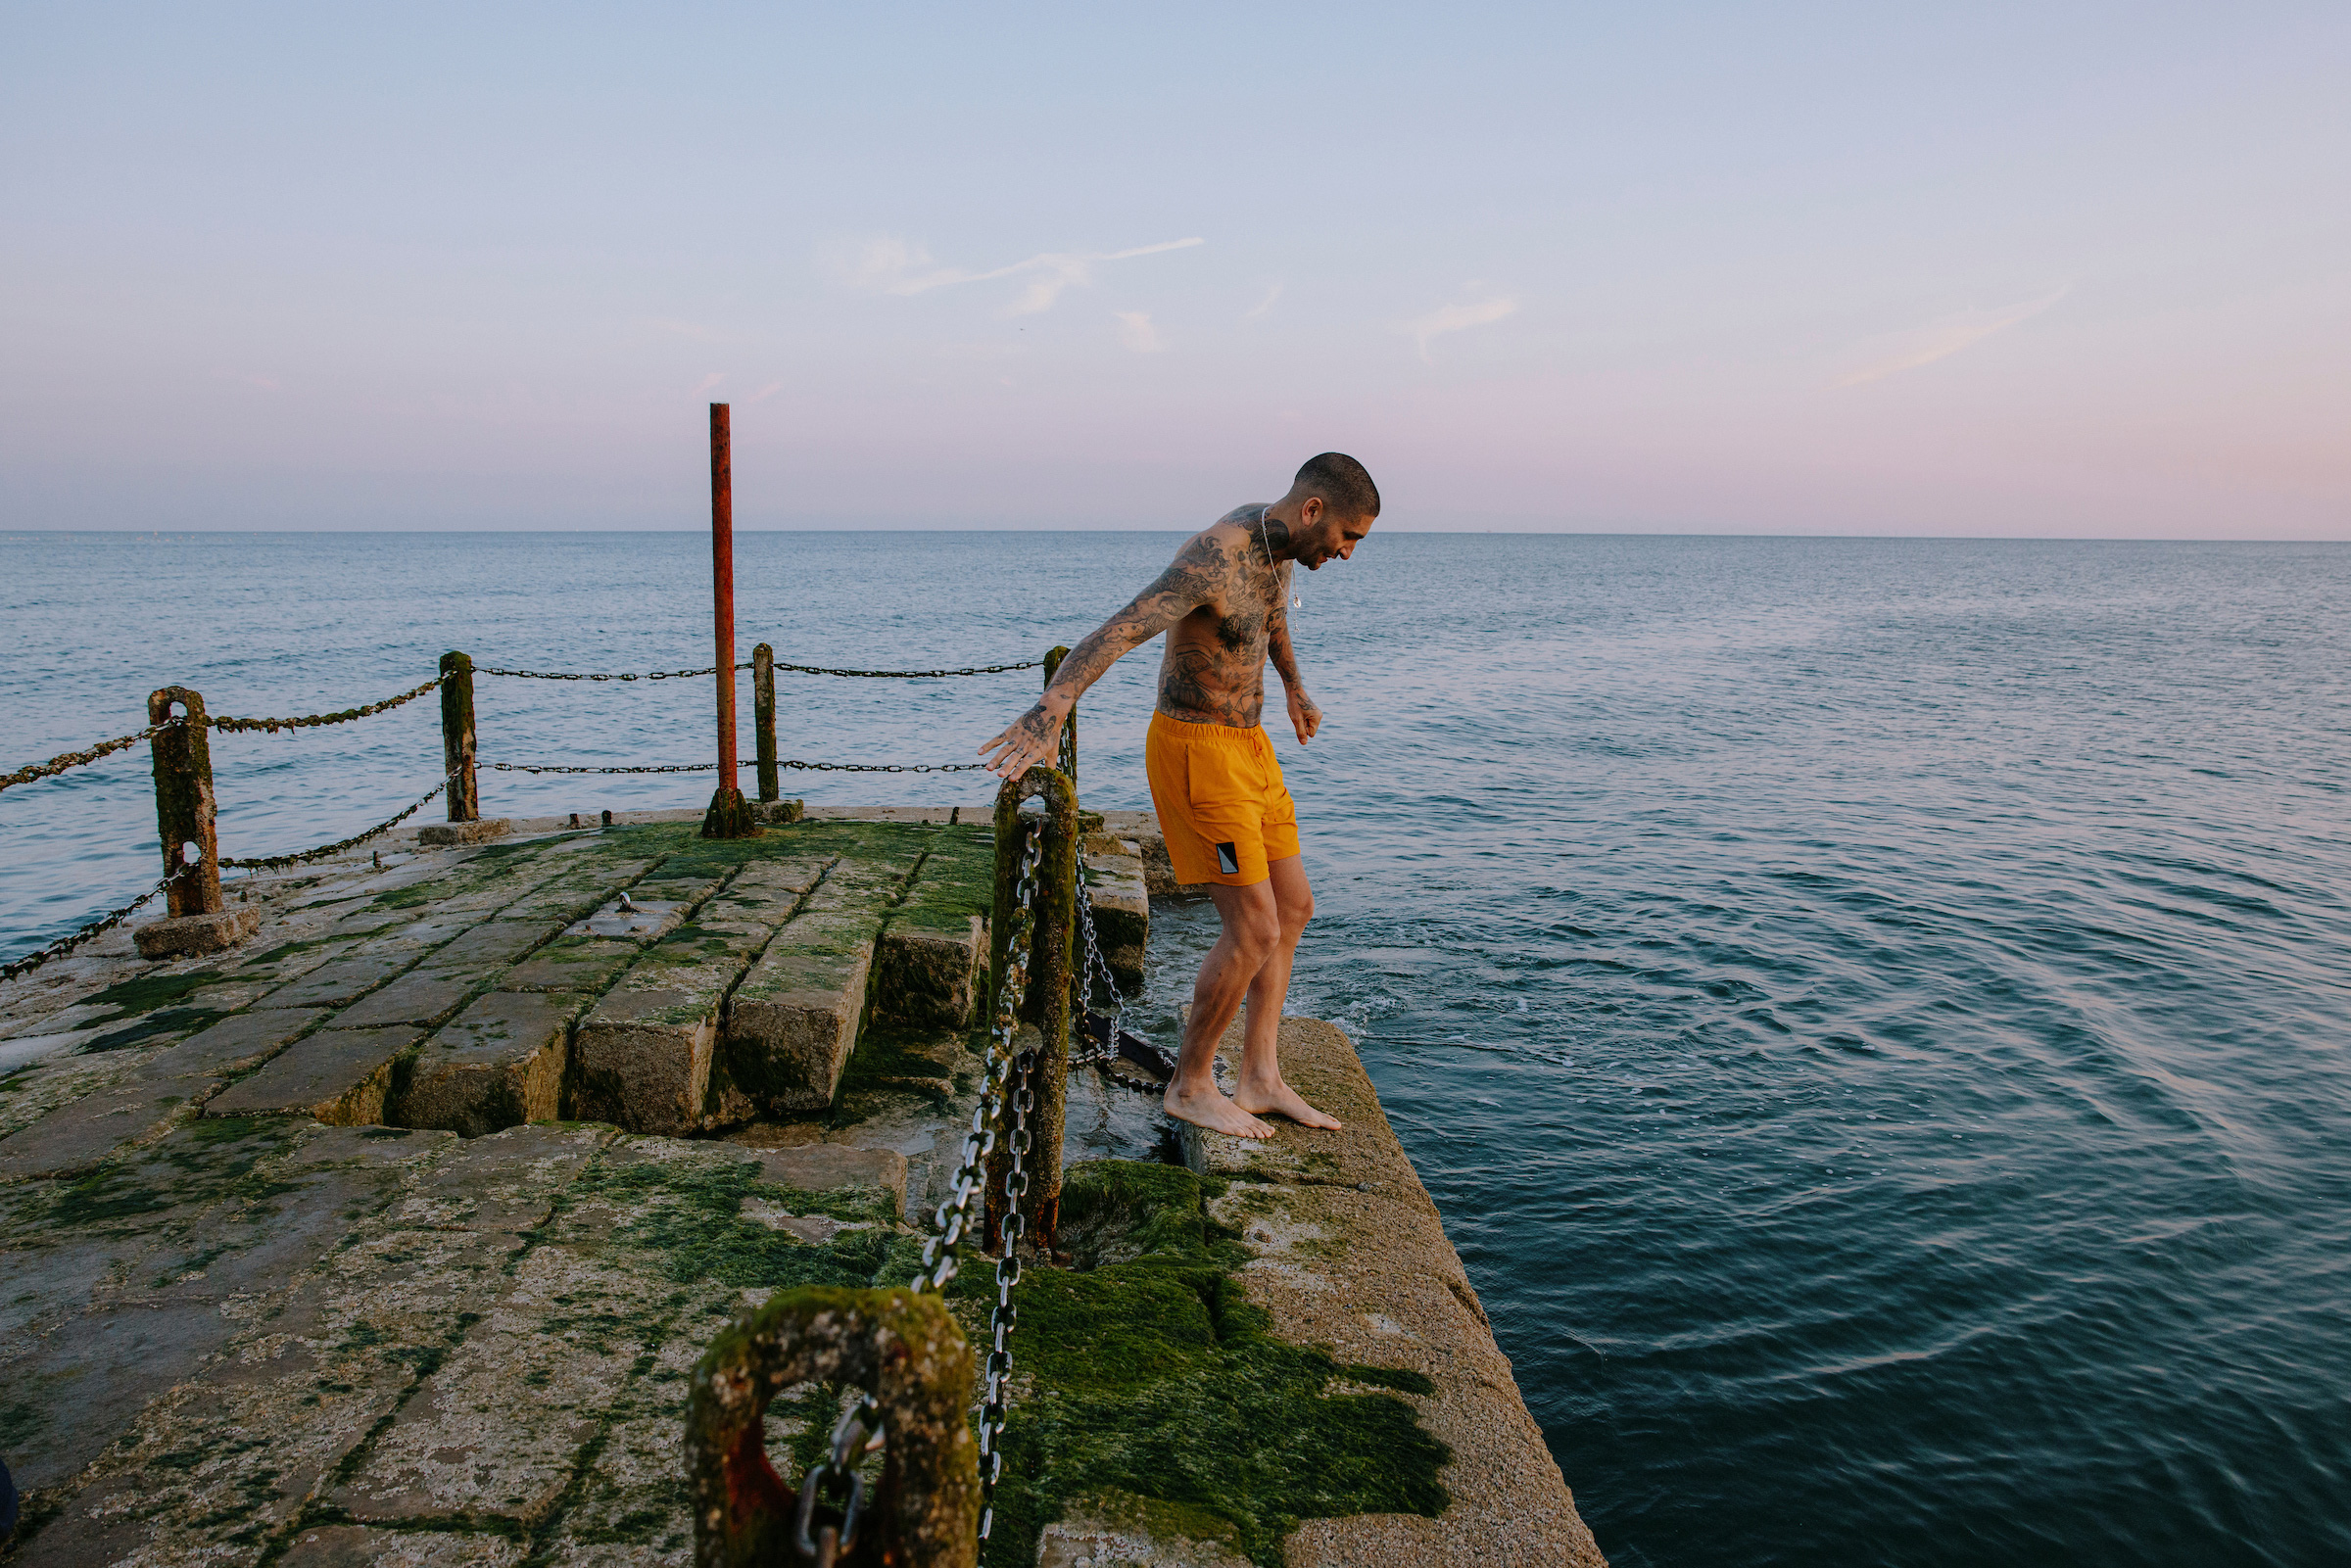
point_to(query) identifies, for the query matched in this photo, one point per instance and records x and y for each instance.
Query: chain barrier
(274, 862)
(803, 669)
(909, 675)
(1006, 1083)
(559, 674)
(65, 760)
(707, 767)
(851, 1436)
(97, 928)
(1096, 967)
(313, 720)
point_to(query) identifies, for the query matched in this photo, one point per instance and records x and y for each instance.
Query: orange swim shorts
(1222, 804)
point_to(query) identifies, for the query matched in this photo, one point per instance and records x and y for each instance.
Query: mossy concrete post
(456, 738)
(901, 1347)
(1052, 973)
(183, 801)
(763, 720)
(1068, 726)
(730, 814)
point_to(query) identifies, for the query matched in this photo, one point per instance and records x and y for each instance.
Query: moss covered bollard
(901, 1347)
(763, 722)
(464, 792)
(199, 921)
(1051, 990)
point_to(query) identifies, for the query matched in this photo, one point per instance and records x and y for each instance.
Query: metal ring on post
(906, 1350)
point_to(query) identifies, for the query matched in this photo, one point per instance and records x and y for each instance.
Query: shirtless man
(1228, 818)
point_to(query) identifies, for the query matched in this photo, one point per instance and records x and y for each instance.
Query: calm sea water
(1873, 1014)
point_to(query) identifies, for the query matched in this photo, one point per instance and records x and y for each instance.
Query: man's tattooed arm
(1305, 717)
(1198, 574)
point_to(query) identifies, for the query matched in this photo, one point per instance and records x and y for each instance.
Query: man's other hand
(1035, 738)
(1305, 717)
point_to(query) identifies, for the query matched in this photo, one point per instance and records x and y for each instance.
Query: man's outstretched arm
(1199, 569)
(1305, 717)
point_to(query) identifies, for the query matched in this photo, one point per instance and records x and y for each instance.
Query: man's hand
(1305, 717)
(1035, 738)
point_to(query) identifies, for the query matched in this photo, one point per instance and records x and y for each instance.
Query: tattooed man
(1228, 818)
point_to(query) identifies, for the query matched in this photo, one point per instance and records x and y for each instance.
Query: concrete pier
(393, 1235)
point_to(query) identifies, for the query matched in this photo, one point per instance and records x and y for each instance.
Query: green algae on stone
(1154, 1376)
(692, 1215)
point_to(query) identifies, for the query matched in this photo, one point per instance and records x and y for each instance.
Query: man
(1228, 818)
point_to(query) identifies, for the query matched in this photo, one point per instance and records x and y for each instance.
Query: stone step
(791, 1024)
(498, 1064)
(1121, 913)
(341, 1077)
(934, 946)
(643, 1055)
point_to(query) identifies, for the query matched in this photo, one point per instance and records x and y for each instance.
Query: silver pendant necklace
(1296, 603)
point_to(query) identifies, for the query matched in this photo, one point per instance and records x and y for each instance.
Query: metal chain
(81, 759)
(312, 721)
(559, 674)
(850, 1438)
(908, 674)
(1006, 1085)
(1096, 966)
(706, 767)
(273, 862)
(803, 669)
(555, 767)
(97, 928)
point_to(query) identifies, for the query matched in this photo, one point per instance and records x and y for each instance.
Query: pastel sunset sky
(2046, 270)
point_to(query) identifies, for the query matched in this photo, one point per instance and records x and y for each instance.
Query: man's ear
(1309, 511)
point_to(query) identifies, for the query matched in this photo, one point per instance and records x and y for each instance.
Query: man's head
(1329, 508)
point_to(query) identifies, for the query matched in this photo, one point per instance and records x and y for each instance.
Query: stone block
(344, 979)
(183, 935)
(1121, 913)
(498, 941)
(644, 1052)
(498, 1064)
(235, 1043)
(930, 971)
(79, 1136)
(793, 1021)
(638, 921)
(340, 1076)
(427, 995)
(587, 964)
(836, 1167)
(439, 833)
(356, 1546)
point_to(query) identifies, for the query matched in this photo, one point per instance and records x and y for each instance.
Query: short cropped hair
(1344, 484)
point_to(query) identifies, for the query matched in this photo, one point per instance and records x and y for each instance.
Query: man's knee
(1256, 926)
(1295, 910)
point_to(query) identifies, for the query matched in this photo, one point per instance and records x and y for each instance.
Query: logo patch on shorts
(1229, 860)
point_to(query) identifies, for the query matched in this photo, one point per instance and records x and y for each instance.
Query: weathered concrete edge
(1352, 1255)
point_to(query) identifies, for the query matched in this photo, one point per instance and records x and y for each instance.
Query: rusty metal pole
(184, 808)
(456, 738)
(763, 719)
(1068, 726)
(730, 814)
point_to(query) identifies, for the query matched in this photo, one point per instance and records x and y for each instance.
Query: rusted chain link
(1005, 1084)
(273, 862)
(559, 674)
(80, 759)
(97, 928)
(803, 669)
(312, 721)
(556, 767)
(857, 1433)
(706, 767)
(909, 675)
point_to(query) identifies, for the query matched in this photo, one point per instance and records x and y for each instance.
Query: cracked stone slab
(634, 1509)
(358, 1547)
(340, 1076)
(426, 995)
(345, 979)
(499, 1063)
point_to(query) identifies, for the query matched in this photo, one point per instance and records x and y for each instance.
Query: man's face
(1328, 536)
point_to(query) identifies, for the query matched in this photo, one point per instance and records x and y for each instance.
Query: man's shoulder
(1241, 516)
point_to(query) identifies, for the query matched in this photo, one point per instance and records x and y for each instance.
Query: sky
(2047, 269)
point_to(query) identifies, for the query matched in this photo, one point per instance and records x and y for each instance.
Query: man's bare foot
(1280, 1100)
(1206, 1108)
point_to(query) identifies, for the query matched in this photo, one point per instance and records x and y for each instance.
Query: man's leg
(1262, 1090)
(1252, 929)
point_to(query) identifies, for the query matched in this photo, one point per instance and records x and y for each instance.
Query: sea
(1875, 1015)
